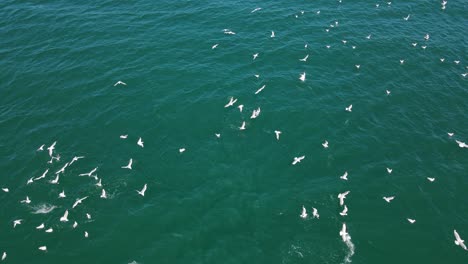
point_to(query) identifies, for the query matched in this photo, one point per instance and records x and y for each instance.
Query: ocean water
(236, 198)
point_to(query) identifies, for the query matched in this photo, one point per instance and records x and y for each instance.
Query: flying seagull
(129, 166)
(345, 211)
(119, 82)
(389, 199)
(349, 108)
(342, 196)
(344, 235)
(344, 176)
(277, 133)
(297, 160)
(305, 58)
(103, 194)
(142, 192)
(302, 77)
(303, 214)
(232, 101)
(458, 240)
(89, 173)
(140, 142)
(78, 201)
(64, 218)
(315, 213)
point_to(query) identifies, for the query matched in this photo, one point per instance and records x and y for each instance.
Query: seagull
(50, 230)
(55, 181)
(328, 46)
(414, 44)
(342, 196)
(411, 220)
(305, 58)
(240, 108)
(51, 148)
(302, 77)
(388, 92)
(64, 218)
(78, 201)
(458, 240)
(232, 101)
(303, 214)
(442, 59)
(86, 234)
(17, 222)
(129, 166)
(344, 41)
(277, 133)
(344, 235)
(297, 160)
(260, 89)
(369, 36)
(5, 189)
(349, 108)
(123, 136)
(255, 56)
(423, 47)
(217, 135)
(457, 62)
(255, 113)
(389, 170)
(406, 18)
(402, 61)
(345, 176)
(4, 255)
(325, 144)
(119, 82)
(75, 159)
(41, 148)
(54, 158)
(99, 184)
(318, 12)
(103, 194)
(426, 37)
(214, 46)
(26, 200)
(242, 127)
(62, 169)
(345, 211)
(142, 192)
(88, 216)
(430, 179)
(181, 150)
(42, 176)
(89, 173)
(75, 224)
(256, 9)
(41, 226)
(315, 213)
(229, 32)
(257, 76)
(140, 142)
(358, 66)
(461, 144)
(43, 248)
(62, 194)
(31, 180)
(389, 199)
(272, 34)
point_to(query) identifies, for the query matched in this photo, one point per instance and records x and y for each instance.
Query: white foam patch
(350, 246)
(43, 208)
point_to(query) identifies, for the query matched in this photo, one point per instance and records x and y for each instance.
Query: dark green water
(237, 198)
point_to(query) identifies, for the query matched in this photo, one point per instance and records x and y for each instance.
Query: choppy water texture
(237, 198)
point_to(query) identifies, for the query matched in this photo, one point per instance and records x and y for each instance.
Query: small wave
(350, 246)
(43, 208)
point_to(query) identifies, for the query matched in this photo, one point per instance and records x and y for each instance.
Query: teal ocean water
(235, 198)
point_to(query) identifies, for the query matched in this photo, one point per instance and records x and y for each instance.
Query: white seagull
(389, 199)
(255, 56)
(51, 148)
(458, 240)
(50, 230)
(62, 170)
(56, 180)
(297, 160)
(43, 248)
(305, 58)
(344, 176)
(129, 166)
(76, 158)
(256, 9)
(5, 189)
(255, 113)
(99, 183)
(75, 224)
(344, 235)
(4, 255)
(123, 136)
(412, 221)
(303, 214)
(240, 108)
(86, 234)
(64, 218)
(103, 194)
(242, 127)
(62, 194)
(119, 82)
(342, 196)
(325, 144)
(277, 133)
(89, 173)
(17, 222)
(272, 34)
(142, 192)
(41, 226)
(389, 170)
(406, 18)
(214, 46)
(42, 176)
(41, 148)
(140, 142)
(232, 101)
(345, 211)
(27, 200)
(78, 201)
(349, 108)
(430, 179)
(260, 89)
(461, 144)
(31, 180)
(302, 77)
(315, 213)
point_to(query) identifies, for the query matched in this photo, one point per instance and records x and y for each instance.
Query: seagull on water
(123, 136)
(41, 148)
(64, 218)
(214, 46)
(88, 216)
(315, 213)
(389, 199)
(103, 194)
(344, 176)
(232, 101)
(27, 200)
(43, 248)
(242, 127)
(349, 108)
(217, 135)
(142, 192)
(459, 241)
(414, 44)
(412, 221)
(344, 235)
(302, 77)
(277, 133)
(78, 201)
(297, 160)
(260, 89)
(62, 194)
(41, 226)
(140, 142)
(342, 196)
(17, 222)
(129, 166)
(119, 83)
(305, 58)
(89, 173)
(345, 211)
(325, 144)
(181, 150)
(257, 76)
(303, 214)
